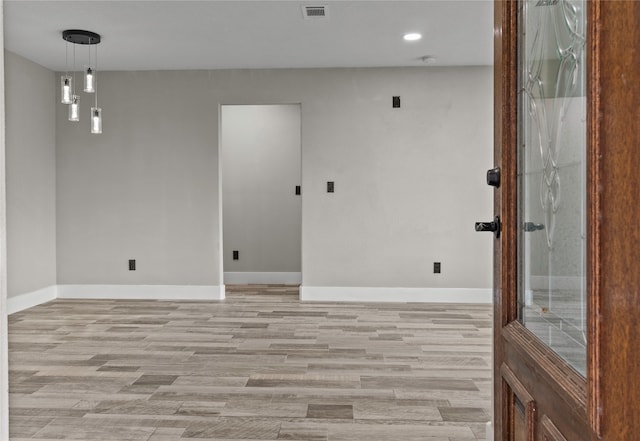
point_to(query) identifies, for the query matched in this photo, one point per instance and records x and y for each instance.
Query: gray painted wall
(262, 216)
(30, 101)
(409, 181)
(146, 189)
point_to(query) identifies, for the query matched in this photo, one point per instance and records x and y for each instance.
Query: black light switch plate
(236, 255)
(330, 187)
(396, 102)
(297, 189)
(436, 267)
(132, 265)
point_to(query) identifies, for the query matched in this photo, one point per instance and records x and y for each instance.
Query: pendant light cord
(74, 69)
(66, 58)
(95, 76)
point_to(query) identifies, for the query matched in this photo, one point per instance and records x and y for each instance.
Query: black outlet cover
(297, 189)
(236, 255)
(396, 102)
(330, 187)
(132, 265)
(436, 267)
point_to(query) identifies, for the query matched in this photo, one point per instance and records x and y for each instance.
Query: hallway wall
(262, 215)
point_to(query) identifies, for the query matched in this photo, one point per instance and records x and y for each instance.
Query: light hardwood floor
(258, 366)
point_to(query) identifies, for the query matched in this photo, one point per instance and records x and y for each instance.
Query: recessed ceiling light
(413, 36)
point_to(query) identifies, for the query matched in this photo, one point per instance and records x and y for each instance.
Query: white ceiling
(206, 34)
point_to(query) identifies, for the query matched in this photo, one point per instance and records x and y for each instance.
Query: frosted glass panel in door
(552, 175)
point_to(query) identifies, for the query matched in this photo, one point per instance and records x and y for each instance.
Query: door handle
(493, 177)
(530, 226)
(493, 227)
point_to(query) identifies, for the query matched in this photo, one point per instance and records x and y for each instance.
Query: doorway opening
(260, 155)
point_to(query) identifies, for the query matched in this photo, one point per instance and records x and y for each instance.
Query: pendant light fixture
(68, 96)
(96, 120)
(96, 112)
(74, 107)
(89, 79)
(67, 87)
(66, 80)
(89, 74)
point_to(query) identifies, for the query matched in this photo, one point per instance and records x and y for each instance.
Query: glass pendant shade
(74, 109)
(96, 120)
(66, 89)
(89, 79)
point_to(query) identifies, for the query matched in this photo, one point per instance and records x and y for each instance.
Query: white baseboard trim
(217, 292)
(142, 292)
(248, 278)
(30, 299)
(422, 295)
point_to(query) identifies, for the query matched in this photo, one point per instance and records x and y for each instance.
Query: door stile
(505, 248)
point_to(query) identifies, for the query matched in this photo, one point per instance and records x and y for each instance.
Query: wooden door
(567, 261)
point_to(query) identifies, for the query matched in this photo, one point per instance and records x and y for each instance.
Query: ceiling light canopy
(412, 36)
(78, 36)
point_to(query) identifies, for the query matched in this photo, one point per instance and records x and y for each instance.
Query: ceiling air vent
(315, 12)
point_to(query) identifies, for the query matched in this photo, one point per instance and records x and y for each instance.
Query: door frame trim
(4, 354)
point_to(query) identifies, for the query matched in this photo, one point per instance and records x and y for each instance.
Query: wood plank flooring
(258, 366)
